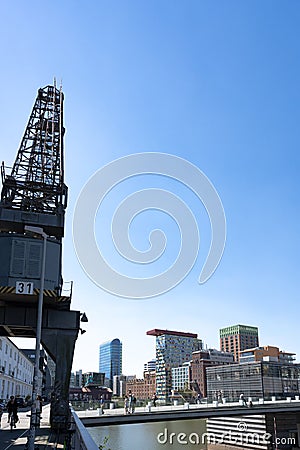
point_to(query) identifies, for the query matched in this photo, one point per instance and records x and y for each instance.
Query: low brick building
(143, 388)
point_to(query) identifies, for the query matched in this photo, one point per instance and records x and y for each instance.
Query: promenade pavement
(17, 438)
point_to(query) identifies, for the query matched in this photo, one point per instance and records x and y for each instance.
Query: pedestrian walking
(126, 405)
(12, 409)
(243, 400)
(132, 403)
(154, 400)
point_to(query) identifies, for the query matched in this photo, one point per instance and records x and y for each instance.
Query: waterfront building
(16, 371)
(181, 377)
(173, 348)
(265, 353)
(143, 388)
(262, 379)
(110, 360)
(203, 359)
(236, 338)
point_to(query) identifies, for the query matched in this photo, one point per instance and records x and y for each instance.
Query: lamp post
(34, 418)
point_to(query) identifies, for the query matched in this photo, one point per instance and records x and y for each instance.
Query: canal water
(172, 435)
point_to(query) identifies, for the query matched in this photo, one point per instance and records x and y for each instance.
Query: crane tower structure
(34, 196)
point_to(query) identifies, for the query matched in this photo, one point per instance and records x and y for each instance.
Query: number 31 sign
(24, 287)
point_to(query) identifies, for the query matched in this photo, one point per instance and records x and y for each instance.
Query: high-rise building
(236, 338)
(110, 360)
(173, 348)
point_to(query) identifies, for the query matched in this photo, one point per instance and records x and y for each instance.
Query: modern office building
(181, 377)
(236, 338)
(110, 360)
(150, 365)
(263, 379)
(16, 371)
(267, 353)
(173, 348)
(203, 359)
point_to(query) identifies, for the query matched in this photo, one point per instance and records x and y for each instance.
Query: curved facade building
(110, 360)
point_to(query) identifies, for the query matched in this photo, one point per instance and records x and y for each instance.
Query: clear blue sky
(214, 82)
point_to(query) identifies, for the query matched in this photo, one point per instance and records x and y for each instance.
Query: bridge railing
(81, 439)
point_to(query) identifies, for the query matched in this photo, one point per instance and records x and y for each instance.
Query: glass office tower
(110, 360)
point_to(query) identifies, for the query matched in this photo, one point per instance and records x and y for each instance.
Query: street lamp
(34, 418)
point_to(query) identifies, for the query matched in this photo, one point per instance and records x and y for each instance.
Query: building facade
(262, 379)
(47, 370)
(119, 384)
(181, 377)
(144, 388)
(236, 338)
(110, 360)
(267, 352)
(173, 348)
(93, 378)
(203, 359)
(16, 371)
(150, 366)
(76, 379)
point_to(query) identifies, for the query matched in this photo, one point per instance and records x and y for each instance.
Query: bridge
(258, 420)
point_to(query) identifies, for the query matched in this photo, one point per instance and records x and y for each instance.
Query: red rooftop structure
(158, 332)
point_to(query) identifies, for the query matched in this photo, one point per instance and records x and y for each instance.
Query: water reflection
(152, 436)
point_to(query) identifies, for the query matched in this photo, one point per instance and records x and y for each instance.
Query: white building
(181, 377)
(16, 371)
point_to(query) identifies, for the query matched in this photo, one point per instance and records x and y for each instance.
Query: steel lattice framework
(36, 182)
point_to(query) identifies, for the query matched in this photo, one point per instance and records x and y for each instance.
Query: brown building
(236, 338)
(267, 352)
(143, 388)
(200, 361)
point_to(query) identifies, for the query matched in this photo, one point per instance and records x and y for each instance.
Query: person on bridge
(243, 400)
(126, 405)
(154, 399)
(12, 408)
